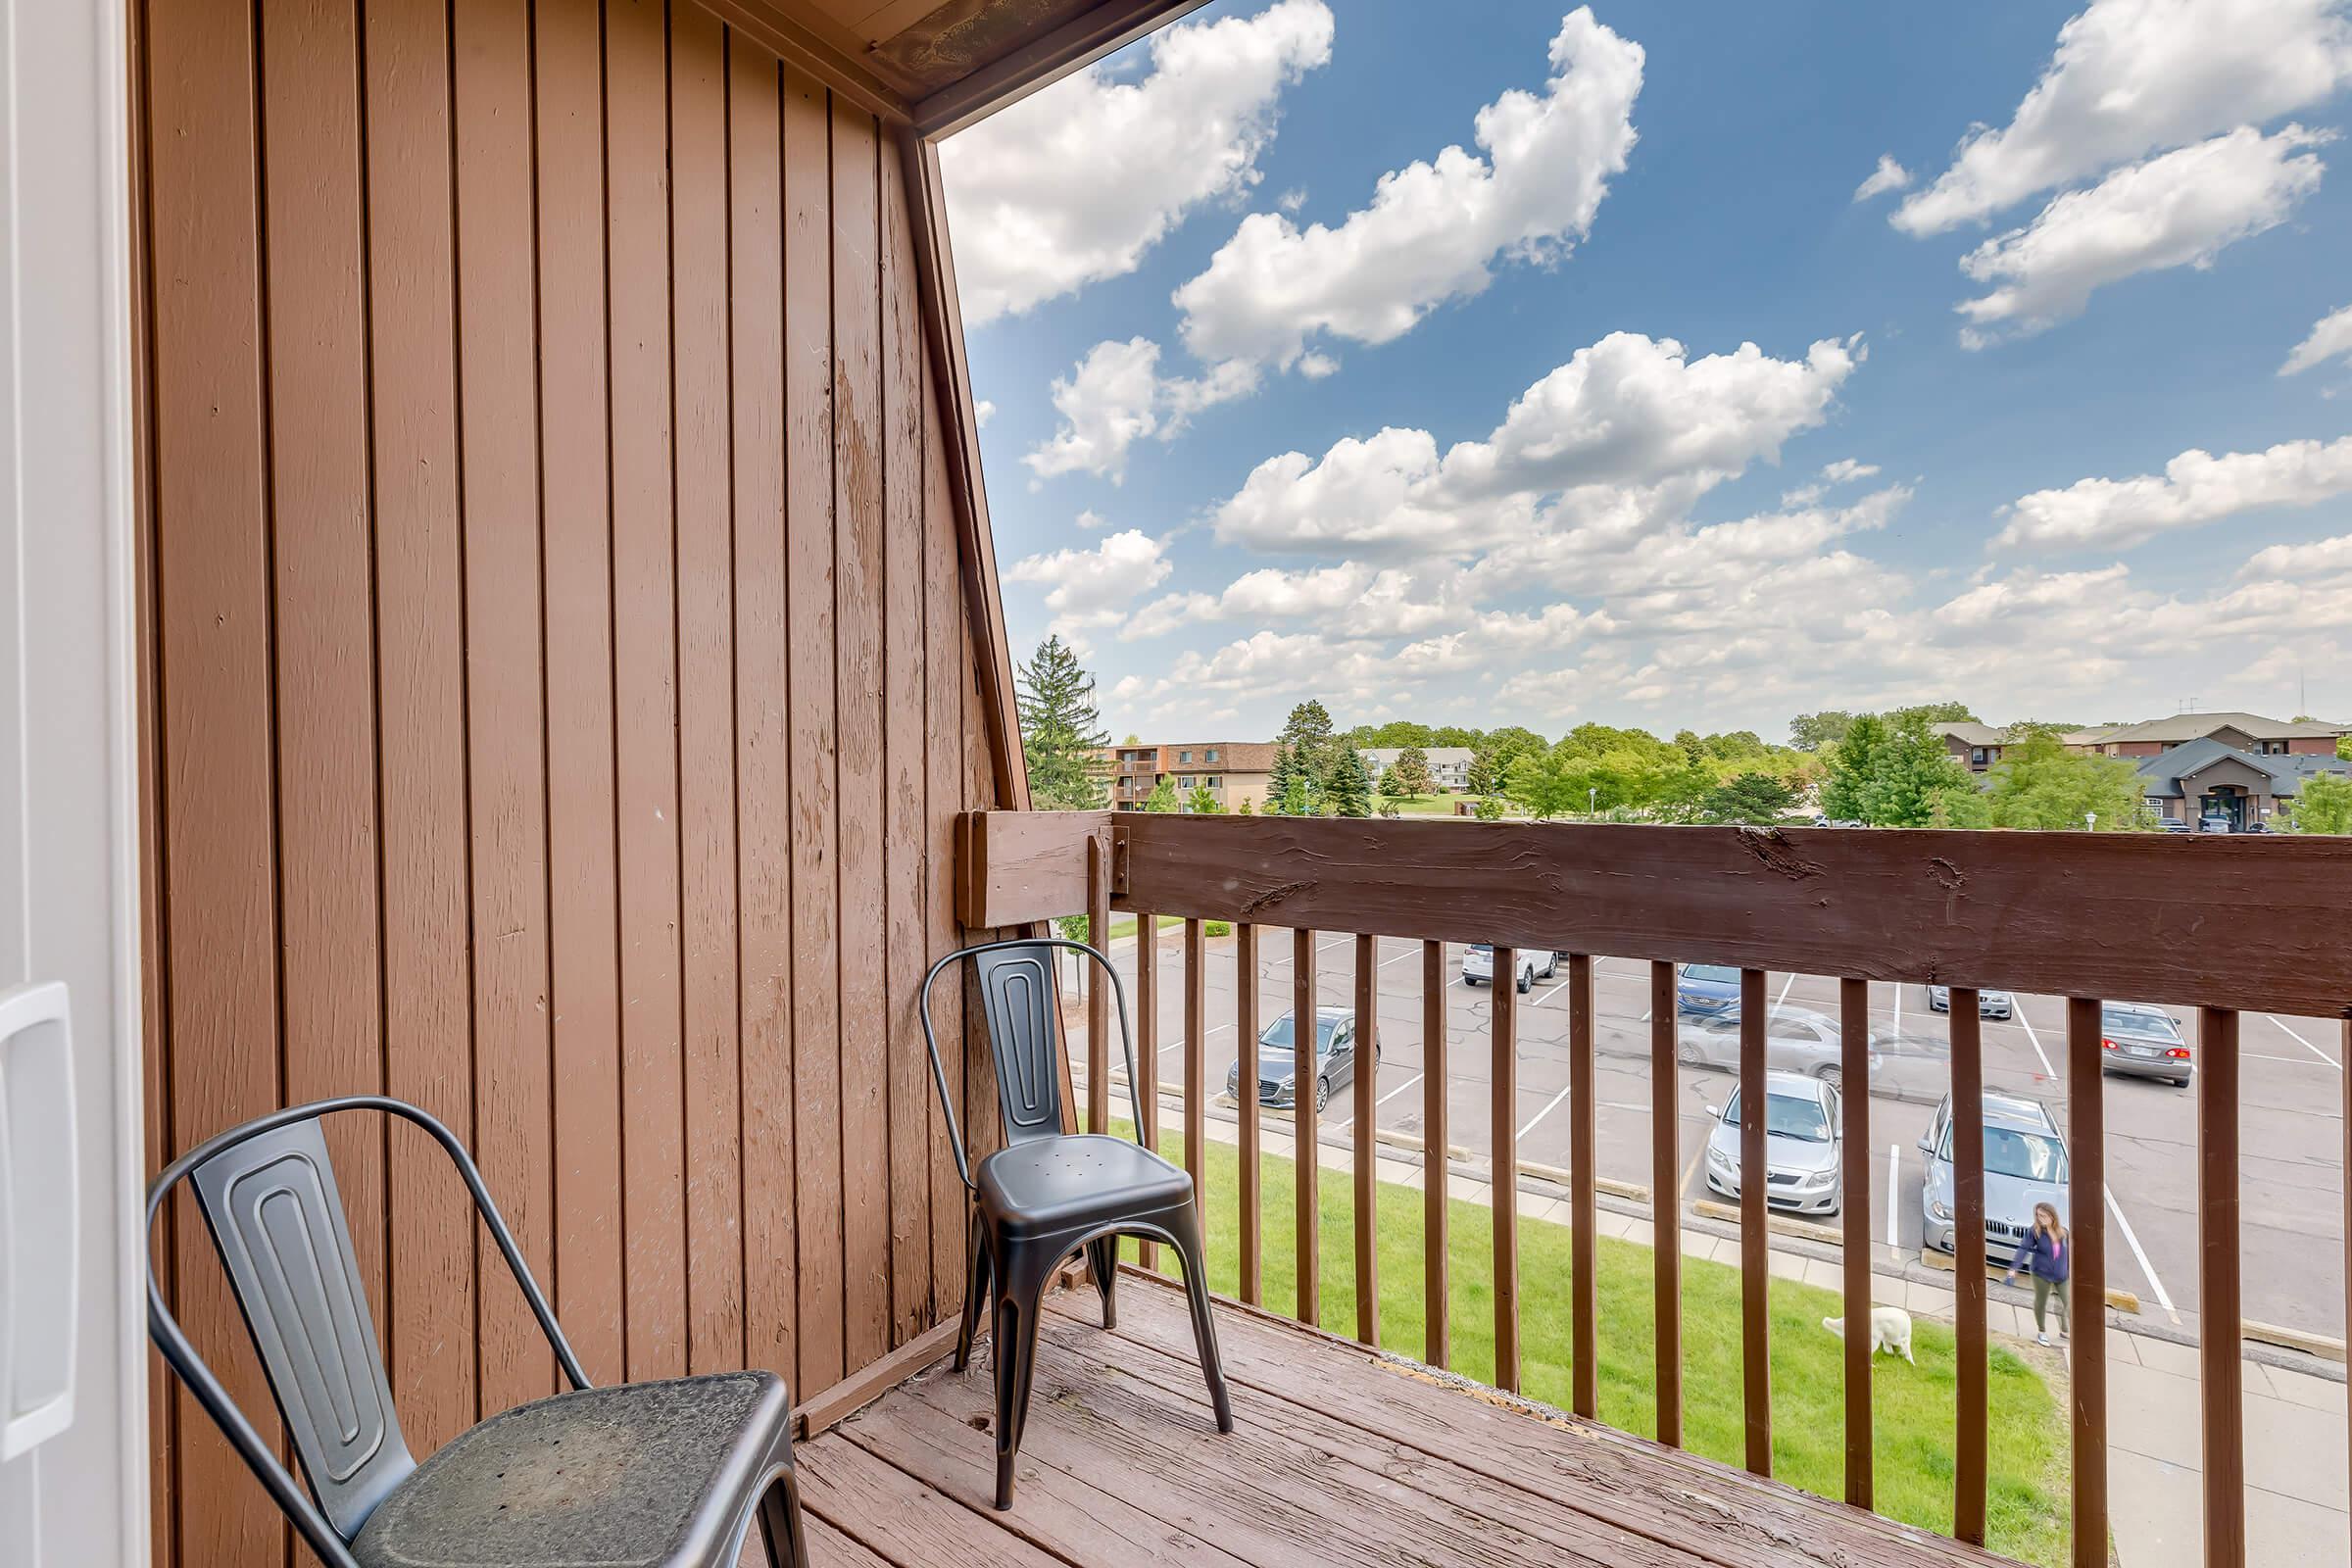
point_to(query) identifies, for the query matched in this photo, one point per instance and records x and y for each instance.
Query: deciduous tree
(2325, 804)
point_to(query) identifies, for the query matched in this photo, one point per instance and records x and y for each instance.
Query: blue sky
(2093, 494)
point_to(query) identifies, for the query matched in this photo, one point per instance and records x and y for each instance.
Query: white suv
(1478, 965)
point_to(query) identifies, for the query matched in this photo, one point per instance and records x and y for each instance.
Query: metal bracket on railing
(1118, 860)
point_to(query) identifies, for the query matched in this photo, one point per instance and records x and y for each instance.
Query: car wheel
(1830, 1073)
(1469, 980)
(1527, 981)
(1322, 1094)
(1687, 1053)
(1553, 967)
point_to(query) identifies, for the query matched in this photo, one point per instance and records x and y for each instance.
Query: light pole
(2091, 821)
(1593, 800)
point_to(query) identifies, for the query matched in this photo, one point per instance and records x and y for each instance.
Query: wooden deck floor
(1338, 1456)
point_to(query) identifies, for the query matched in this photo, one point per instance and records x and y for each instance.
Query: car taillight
(2178, 1053)
(2106, 1044)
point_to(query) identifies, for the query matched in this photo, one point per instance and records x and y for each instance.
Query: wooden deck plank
(897, 1517)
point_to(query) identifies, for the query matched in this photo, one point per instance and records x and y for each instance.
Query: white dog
(1890, 1331)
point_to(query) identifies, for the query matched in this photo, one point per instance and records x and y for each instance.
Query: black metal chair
(641, 1475)
(1047, 1194)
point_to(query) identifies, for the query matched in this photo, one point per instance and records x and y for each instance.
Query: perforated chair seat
(1050, 1185)
(642, 1475)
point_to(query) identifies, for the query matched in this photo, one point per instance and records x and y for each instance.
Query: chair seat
(1069, 1183)
(643, 1475)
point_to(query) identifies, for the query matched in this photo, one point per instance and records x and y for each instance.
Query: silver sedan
(1802, 1143)
(1796, 1040)
(1989, 1004)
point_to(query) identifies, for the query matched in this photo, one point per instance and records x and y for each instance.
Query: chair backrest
(278, 1218)
(1017, 1001)
(267, 1194)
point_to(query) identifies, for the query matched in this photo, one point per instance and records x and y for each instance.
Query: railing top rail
(2249, 922)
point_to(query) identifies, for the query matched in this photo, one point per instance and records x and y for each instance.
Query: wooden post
(1195, 1069)
(1583, 1173)
(1968, 1264)
(1755, 1262)
(1366, 1083)
(1244, 1005)
(1666, 1201)
(1854, 1100)
(2087, 1313)
(2220, 1369)
(1146, 1048)
(1308, 1166)
(1505, 1188)
(1098, 986)
(1434, 1163)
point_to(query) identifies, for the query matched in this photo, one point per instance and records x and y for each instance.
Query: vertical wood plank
(1435, 1165)
(946, 676)
(1305, 1149)
(1968, 1264)
(1098, 986)
(1755, 1276)
(2087, 1309)
(1147, 1047)
(1504, 1134)
(906, 795)
(583, 879)
(2220, 1365)
(1366, 1084)
(701, 414)
(858, 546)
(983, 1107)
(765, 790)
(1853, 1044)
(1245, 1007)
(420, 695)
(809, 521)
(1195, 1068)
(211, 580)
(504, 711)
(1583, 1169)
(644, 655)
(1666, 1202)
(324, 609)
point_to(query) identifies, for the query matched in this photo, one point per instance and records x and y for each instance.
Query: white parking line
(1774, 1010)
(1548, 995)
(1411, 951)
(2047, 1071)
(2305, 1044)
(1895, 1176)
(1549, 1108)
(1398, 1090)
(1898, 1008)
(2146, 1267)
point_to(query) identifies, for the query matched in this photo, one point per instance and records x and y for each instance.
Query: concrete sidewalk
(2299, 1501)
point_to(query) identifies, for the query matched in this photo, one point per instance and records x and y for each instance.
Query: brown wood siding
(560, 690)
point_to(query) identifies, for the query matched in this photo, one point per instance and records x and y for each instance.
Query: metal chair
(1048, 1195)
(641, 1475)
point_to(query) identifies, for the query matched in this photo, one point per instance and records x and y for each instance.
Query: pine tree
(1483, 778)
(1279, 782)
(1350, 787)
(1162, 796)
(1061, 734)
(1313, 752)
(1204, 802)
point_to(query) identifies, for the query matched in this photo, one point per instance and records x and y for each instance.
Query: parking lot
(2291, 1100)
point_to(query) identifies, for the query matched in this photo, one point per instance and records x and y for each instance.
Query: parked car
(1702, 990)
(1278, 1065)
(2143, 1041)
(1478, 965)
(1989, 1004)
(2174, 824)
(1796, 1040)
(2024, 1163)
(1802, 1140)
(2213, 824)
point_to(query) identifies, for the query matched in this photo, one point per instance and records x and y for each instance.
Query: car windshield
(2009, 1152)
(2133, 1022)
(1722, 973)
(1788, 1117)
(1278, 1035)
(1483, 947)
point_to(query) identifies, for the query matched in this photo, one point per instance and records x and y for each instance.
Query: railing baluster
(1968, 1263)
(1434, 1162)
(1583, 1174)
(1755, 1261)
(2344, 1056)
(1309, 1162)
(1098, 987)
(1146, 1048)
(1366, 1083)
(1195, 1069)
(2221, 1371)
(1504, 1189)
(1853, 1084)
(1666, 1201)
(2087, 1309)
(1245, 1007)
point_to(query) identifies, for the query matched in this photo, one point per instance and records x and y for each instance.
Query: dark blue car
(1706, 990)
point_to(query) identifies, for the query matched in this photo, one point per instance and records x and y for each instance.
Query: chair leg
(1019, 1294)
(1185, 1227)
(780, 1523)
(1103, 1261)
(976, 1290)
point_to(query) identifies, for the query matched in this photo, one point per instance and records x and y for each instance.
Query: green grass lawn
(1421, 804)
(1913, 1406)
(1123, 925)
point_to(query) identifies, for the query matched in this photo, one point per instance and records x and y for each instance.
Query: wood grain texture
(2221, 1367)
(1853, 1044)
(1504, 1134)
(946, 678)
(1308, 1163)
(1246, 1026)
(1970, 1443)
(1436, 1165)
(1099, 987)
(1366, 1087)
(1665, 1205)
(1195, 1068)
(1147, 1047)
(1583, 1169)
(1756, 1274)
(2087, 1156)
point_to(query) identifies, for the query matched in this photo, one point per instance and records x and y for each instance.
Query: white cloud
(1089, 588)
(1847, 470)
(1266, 664)
(1349, 598)
(1091, 519)
(2176, 210)
(2195, 489)
(2331, 338)
(1115, 397)
(1432, 229)
(1075, 183)
(983, 411)
(2314, 557)
(1628, 432)
(2131, 76)
(1888, 176)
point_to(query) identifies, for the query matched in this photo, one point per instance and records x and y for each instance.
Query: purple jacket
(2045, 1257)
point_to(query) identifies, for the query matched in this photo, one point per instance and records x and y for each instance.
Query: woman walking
(2047, 1253)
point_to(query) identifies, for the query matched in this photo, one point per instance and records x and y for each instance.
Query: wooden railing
(2073, 915)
